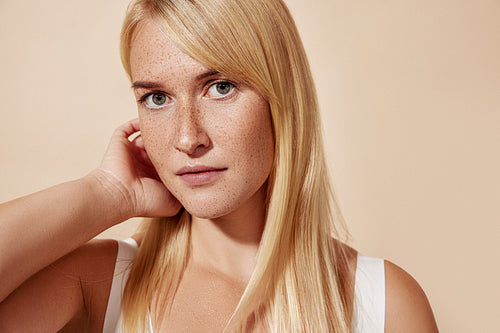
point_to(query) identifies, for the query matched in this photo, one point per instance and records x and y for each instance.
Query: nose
(191, 138)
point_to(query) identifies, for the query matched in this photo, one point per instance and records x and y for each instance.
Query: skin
(197, 125)
(233, 133)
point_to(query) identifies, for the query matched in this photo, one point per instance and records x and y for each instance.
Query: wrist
(117, 200)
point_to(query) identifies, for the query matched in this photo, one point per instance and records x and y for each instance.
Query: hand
(127, 171)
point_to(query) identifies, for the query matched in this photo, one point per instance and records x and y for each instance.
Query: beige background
(410, 95)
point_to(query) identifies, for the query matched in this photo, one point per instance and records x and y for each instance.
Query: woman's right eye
(155, 100)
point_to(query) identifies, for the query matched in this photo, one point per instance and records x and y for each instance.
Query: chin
(220, 200)
(210, 205)
(206, 211)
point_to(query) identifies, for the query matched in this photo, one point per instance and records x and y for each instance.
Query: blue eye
(220, 89)
(156, 100)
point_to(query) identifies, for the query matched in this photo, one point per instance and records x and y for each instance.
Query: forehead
(153, 56)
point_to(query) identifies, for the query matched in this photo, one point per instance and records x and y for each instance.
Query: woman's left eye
(220, 89)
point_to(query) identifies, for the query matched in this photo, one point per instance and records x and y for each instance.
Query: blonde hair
(300, 281)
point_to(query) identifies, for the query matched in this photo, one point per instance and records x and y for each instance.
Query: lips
(199, 174)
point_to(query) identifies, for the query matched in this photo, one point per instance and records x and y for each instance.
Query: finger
(144, 158)
(135, 136)
(136, 139)
(135, 124)
(150, 172)
(145, 167)
(128, 128)
(138, 145)
(139, 152)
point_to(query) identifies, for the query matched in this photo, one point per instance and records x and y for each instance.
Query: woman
(230, 161)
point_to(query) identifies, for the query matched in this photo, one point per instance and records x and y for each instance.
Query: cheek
(256, 144)
(155, 139)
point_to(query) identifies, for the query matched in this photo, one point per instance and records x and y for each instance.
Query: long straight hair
(300, 281)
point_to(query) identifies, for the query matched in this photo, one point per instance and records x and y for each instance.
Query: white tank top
(369, 292)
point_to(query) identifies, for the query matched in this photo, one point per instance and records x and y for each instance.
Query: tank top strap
(369, 296)
(127, 250)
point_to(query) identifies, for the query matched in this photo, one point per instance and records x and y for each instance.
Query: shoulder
(93, 264)
(407, 307)
(93, 255)
(71, 293)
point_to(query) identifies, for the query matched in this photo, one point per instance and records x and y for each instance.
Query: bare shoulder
(69, 295)
(407, 307)
(94, 264)
(95, 258)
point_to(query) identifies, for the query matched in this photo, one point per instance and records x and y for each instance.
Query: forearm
(38, 229)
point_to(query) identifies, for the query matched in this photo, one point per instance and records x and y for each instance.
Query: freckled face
(208, 135)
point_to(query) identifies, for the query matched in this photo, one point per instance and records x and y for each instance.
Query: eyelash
(210, 84)
(143, 99)
(231, 85)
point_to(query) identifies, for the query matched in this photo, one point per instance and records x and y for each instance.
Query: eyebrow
(145, 84)
(154, 85)
(207, 74)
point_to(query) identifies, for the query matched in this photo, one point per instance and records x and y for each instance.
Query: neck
(229, 244)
